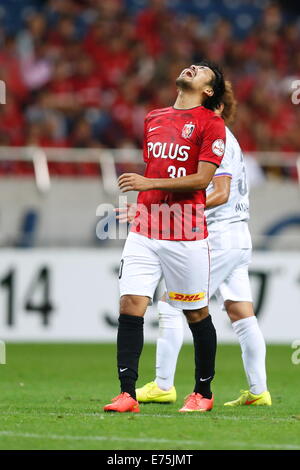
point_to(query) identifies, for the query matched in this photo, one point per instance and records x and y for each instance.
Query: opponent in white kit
(227, 217)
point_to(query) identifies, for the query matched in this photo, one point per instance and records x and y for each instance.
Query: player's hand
(134, 182)
(126, 214)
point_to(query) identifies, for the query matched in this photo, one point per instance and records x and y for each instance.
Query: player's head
(227, 109)
(205, 79)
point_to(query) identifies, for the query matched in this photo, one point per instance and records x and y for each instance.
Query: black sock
(129, 344)
(205, 345)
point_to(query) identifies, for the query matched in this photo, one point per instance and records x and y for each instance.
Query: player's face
(196, 77)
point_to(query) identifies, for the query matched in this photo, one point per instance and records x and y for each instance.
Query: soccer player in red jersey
(183, 146)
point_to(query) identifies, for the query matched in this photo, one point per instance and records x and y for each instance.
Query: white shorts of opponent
(229, 277)
(183, 264)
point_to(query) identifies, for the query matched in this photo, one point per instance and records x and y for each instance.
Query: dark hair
(230, 104)
(217, 84)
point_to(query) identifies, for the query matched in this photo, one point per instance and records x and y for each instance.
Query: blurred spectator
(85, 72)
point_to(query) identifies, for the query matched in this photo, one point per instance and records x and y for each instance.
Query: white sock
(168, 344)
(253, 353)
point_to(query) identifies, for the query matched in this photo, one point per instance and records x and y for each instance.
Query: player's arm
(217, 197)
(194, 182)
(221, 191)
(127, 213)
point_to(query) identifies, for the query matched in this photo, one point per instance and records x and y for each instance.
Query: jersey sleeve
(213, 141)
(225, 168)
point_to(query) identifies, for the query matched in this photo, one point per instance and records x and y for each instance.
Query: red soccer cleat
(123, 403)
(196, 402)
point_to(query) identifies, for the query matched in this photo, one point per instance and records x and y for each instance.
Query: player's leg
(168, 345)
(130, 340)
(205, 346)
(235, 293)
(170, 339)
(252, 342)
(186, 272)
(253, 347)
(139, 275)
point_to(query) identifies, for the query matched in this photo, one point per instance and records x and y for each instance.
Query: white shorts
(229, 275)
(183, 264)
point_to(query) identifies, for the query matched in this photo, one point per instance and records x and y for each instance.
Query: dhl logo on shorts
(187, 297)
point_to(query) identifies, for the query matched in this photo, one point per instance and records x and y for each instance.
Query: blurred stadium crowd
(83, 73)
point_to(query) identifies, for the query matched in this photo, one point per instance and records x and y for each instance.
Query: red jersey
(175, 140)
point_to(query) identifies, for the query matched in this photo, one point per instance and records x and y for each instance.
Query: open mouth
(188, 73)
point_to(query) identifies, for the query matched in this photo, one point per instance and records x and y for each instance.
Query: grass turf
(51, 397)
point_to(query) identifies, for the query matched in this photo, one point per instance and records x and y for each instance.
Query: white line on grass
(97, 438)
(142, 440)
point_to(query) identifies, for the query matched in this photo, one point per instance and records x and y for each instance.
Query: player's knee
(239, 310)
(194, 316)
(133, 305)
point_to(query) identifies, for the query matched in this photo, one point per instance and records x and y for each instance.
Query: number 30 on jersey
(176, 172)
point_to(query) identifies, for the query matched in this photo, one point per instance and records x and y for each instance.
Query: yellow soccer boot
(248, 398)
(151, 393)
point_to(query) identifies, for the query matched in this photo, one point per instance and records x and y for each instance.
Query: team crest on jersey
(187, 130)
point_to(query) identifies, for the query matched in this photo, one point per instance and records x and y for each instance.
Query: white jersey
(227, 223)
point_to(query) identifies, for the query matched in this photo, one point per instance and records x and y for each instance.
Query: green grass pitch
(51, 397)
